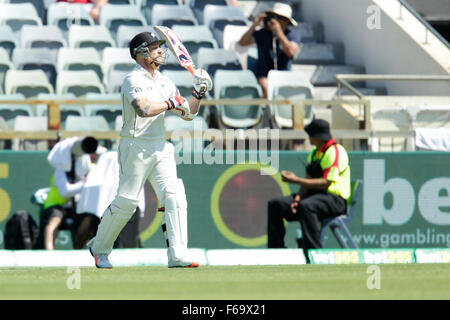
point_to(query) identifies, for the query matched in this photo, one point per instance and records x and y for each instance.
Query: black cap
(89, 145)
(141, 38)
(319, 128)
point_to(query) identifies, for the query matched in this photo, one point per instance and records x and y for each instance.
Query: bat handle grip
(191, 69)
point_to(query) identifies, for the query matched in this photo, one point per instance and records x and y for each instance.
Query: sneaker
(101, 260)
(183, 264)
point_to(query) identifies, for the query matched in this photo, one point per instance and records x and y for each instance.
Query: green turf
(287, 282)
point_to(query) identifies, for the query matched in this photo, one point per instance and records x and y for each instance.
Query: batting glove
(202, 83)
(180, 106)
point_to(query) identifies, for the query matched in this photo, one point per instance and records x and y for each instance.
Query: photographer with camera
(277, 43)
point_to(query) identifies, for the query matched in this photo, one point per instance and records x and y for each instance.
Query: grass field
(284, 282)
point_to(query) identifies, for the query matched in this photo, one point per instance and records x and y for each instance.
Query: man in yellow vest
(71, 159)
(323, 192)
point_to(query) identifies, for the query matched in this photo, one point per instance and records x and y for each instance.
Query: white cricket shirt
(140, 83)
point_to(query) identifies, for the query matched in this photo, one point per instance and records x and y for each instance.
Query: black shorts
(66, 214)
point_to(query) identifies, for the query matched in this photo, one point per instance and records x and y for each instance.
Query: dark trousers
(311, 210)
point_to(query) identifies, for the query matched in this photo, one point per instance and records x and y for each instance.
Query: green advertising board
(404, 201)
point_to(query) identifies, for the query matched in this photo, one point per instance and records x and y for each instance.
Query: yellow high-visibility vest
(53, 196)
(334, 162)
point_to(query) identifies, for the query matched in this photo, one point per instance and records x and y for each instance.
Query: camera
(267, 18)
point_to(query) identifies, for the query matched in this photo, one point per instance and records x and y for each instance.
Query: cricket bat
(177, 47)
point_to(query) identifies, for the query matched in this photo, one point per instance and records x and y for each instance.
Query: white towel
(437, 139)
(60, 155)
(101, 186)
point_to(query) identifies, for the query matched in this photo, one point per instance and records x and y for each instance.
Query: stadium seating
(199, 5)
(170, 15)
(90, 36)
(108, 111)
(390, 119)
(65, 109)
(60, 40)
(115, 81)
(238, 84)
(231, 35)
(4, 144)
(288, 85)
(28, 82)
(3, 127)
(63, 15)
(39, 5)
(326, 93)
(324, 74)
(18, 15)
(113, 16)
(5, 65)
(49, 37)
(86, 123)
(247, 7)
(212, 59)
(182, 80)
(195, 37)
(117, 62)
(147, 7)
(118, 123)
(126, 33)
(37, 59)
(26, 123)
(80, 59)
(9, 112)
(320, 53)
(128, 2)
(262, 6)
(79, 83)
(8, 40)
(89, 123)
(310, 32)
(364, 91)
(216, 17)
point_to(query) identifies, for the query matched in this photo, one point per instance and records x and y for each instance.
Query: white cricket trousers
(140, 161)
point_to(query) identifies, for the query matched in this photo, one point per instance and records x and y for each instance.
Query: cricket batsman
(144, 154)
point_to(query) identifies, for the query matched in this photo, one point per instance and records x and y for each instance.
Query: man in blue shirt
(277, 42)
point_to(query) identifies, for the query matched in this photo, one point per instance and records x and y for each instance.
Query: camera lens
(267, 19)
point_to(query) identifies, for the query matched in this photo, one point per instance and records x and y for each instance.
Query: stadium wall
(404, 202)
(384, 48)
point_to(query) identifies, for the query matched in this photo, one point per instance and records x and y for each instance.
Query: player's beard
(160, 60)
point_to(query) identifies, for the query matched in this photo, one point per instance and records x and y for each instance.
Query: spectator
(94, 7)
(323, 192)
(72, 160)
(275, 36)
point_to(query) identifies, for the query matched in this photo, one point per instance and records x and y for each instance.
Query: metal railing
(428, 27)
(359, 137)
(55, 132)
(298, 107)
(343, 80)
